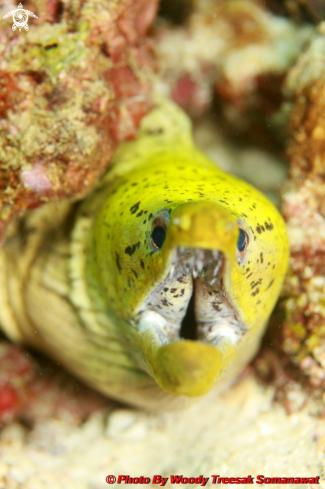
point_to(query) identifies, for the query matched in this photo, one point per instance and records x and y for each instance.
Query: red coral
(16, 375)
(124, 82)
(184, 92)
(33, 389)
(8, 92)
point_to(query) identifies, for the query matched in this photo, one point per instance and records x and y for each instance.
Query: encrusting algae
(71, 89)
(304, 211)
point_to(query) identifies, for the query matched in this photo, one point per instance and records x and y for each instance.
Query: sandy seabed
(241, 432)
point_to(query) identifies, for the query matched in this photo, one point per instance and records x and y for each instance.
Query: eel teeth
(194, 276)
(215, 254)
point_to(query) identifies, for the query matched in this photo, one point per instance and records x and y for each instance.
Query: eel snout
(187, 326)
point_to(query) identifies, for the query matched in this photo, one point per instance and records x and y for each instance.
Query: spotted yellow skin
(89, 285)
(164, 171)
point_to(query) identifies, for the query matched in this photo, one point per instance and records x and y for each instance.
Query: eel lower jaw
(187, 329)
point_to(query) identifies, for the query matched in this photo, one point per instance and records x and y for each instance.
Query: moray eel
(160, 284)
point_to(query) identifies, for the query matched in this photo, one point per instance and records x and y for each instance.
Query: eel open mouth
(191, 303)
(187, 330)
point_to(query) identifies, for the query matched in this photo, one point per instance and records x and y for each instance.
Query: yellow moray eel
(160, 284)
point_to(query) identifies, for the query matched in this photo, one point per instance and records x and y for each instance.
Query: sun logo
(20, 18)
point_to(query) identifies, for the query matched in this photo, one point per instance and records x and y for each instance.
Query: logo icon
(20, 18)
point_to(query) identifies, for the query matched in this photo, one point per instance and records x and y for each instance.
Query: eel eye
(242, 245)
(157, 232)
(158, 236)
(243, 240)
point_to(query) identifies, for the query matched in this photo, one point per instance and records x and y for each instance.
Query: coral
(71, 88)
(34, 389)
(234, 54)
(16, 376)
(304, 210)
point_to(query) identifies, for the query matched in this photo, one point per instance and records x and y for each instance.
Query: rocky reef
(231, 58)
(70, 89)
(304, 210)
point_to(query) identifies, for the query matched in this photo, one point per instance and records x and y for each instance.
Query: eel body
(158, 285)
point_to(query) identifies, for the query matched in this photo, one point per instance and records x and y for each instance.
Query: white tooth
(227, 333)
(215, 254)
(213, 281)
(195, 274)
(199, 265)
(151, 318)
(216, 270)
